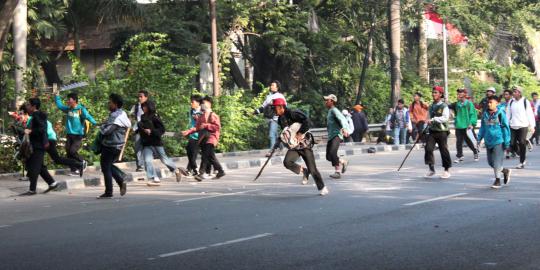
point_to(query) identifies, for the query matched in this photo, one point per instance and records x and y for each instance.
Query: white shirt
(269, 100)
(520, 116)
(138, 116)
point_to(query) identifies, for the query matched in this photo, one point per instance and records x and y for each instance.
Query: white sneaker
(323, 191)
(446, 175)
(429, 174)
(206, 176)
(154, 182)
(459, 160)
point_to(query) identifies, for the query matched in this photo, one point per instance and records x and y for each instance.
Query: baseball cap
(330, 97)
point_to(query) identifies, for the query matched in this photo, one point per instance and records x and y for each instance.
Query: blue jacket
(495, 129)
(73, 123)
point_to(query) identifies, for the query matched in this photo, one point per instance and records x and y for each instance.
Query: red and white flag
(434, 28)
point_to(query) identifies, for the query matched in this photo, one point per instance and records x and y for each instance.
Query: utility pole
(445, 61)
(20, 32)
(215, 70)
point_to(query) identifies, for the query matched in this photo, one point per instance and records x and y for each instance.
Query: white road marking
(215, 196)
(436, 199)
(241, 240)
(4, 226)
(180, 252)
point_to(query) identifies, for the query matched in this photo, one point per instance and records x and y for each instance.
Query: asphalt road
(373, 218)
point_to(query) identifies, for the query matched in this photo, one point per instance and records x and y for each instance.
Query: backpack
(204, 134)
(268, 112)
(84, 122)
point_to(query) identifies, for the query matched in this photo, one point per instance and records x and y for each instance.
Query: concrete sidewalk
(11, 186)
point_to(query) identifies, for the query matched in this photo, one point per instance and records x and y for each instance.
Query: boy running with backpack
(495, 131)
(77, 124)
(337, 129)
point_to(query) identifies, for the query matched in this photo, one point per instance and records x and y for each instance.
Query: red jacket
(209, 121)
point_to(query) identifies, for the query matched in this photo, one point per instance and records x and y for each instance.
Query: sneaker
(446, 175)
(496, 184)
(104, 196)
(154, 182)
(476, 158)
(520, 166)
(123, 188)
(183, 171)
(429, 174)
(28, 193)
(207, 176)
(52, 187)
(219, 175)
(305, 176)
(507, 173)
(459, 160)
(268, 154)
(178, 174)
(199, 177)
(24, 178)
(139, 169)
(335, 175)
(83, 168)
(344, 165)
(75, 173)
(323, 191)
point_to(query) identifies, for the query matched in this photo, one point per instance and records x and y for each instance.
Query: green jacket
(336, 121)
(465, 114)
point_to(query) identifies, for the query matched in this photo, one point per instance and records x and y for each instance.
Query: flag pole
(445, 60)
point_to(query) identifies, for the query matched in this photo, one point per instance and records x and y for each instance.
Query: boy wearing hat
(490, 91)
(439, 115)
(464, 121)
(288, 118)
(337, 130)
(360, 123)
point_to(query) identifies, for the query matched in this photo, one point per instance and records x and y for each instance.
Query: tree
(6, 15)
(395, 49)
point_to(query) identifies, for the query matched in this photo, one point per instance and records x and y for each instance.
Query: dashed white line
(215, 196)
(436, 199)
(4, 226)
(180, 252)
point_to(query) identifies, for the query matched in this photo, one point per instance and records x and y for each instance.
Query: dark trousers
(461, 134)
(36, 167)
(418, 131)
(309, 159)
(519, 142)
(536, 135)
(53, 153)
(358, 135)
(441, 139)
(192, 149)
(331, 150)
(208, 157)
(73, 144)
(108, 156)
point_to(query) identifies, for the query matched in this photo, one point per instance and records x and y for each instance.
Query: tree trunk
(422, 44)
(215, 68)
(395, 46)
(6, 14)
(367, 56)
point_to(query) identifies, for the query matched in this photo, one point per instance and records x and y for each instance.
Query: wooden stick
(124, 146)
